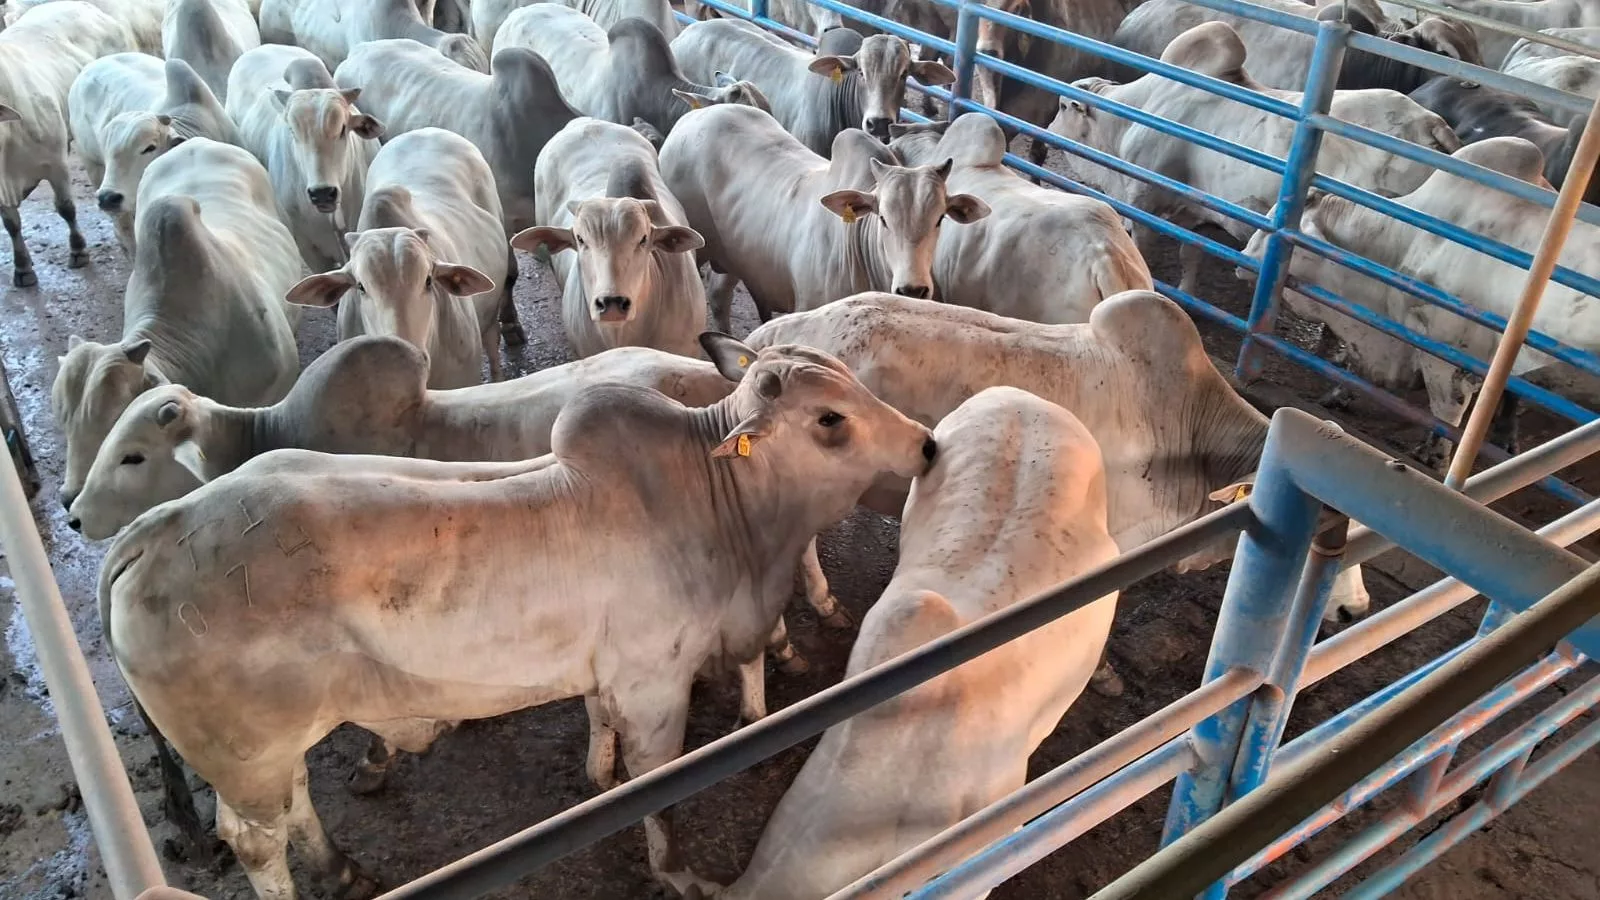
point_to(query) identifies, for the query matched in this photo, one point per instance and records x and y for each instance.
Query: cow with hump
(429, 262)
(333, 29)
(769, 211)
(1173, 433)
(1014, 506)
(328, 589)
(204, 306)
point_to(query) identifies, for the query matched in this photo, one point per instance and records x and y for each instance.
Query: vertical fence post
(758, 8)
(966, 58)
(1299, 168)
(1251, 626)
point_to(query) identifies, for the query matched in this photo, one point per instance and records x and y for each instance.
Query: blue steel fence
(1282, 222)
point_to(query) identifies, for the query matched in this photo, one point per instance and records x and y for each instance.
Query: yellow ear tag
(744, 361)
(1241, 492)
(837, 76)
(744, 445)
(849, 215)
(200, 453)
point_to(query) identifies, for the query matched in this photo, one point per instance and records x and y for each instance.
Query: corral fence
(1242, 797)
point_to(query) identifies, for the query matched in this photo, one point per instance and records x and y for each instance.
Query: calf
(762, 470)
(40, 56)
(509, 115)
(1478, 112)
(313, 140)
(127, 110)
(619, 75)
(209, 35)
(1041, 255)
(429, 262)
(1215, 49)
(204, 305)
(814, 97)
(619, 245)
(1014, 506)
(333, 29)
(766, 207)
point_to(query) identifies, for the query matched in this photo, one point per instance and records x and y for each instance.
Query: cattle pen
(1243, 796)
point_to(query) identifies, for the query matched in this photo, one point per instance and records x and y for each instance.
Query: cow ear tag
(743, 362)
(744, 445)
(849, 215)
(837, 76)
(1241, 492)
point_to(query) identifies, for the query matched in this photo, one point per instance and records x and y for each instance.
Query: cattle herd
(386, 540)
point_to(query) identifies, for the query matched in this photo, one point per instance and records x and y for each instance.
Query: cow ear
(282, 95)
(164, 120)
(351, 95)
(191, 457)
(73, 342)
(136, 351)
(1233, 493)
(728, 354)
(321, 290)
(694, 99)
(462, 281)
(720, 78)
(965, 208)
(850, 205)
(832, 66)
(531, 239)
(932, 72)
(7, 114)
(676, 239)
(744, 436)
(366, 126)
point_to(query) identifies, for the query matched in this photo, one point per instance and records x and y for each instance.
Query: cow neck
(845, 100)
(234, 435)
(864, 256)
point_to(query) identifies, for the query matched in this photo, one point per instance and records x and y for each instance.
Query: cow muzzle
(878, 127)
(914, 291)
(325, 197)
(613, 308)
(109, 201)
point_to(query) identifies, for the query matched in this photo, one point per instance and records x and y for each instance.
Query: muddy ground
(491, 778)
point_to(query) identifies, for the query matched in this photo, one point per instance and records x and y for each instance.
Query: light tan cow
(243, 674)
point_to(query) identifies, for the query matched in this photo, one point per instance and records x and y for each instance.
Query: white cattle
(204, 306)
(488, 16)
(1171, 429)
(1554, 67)
(797, 14)
(625, 74)
(1214, 49)
(814, 97)
(1534, 15)
(620, 249)
(40, 56)
(209, 35)
(333, 29)
(365, 395)
(1014, 505)
(1041, 255)
(1480, 281)
(430, 262)
(128, 109)
(403, 595)
(767, 209)
(313, 140)
(509, 115)
(142, 18)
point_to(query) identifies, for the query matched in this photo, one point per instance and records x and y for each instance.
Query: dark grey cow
(813, 97)
(1478, 112)
(508, 115)
(1434, 35)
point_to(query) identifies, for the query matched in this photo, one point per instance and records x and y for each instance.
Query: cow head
(909, 205)
(94, 384)
(1081, 122)
(803, 413)
(726, 90)
(465, 51)
(325, 127)
(917, 142)
(398, 280)
(880, 68)
(1000, 42)
(130, 142)
(616, 239)
(151, 456)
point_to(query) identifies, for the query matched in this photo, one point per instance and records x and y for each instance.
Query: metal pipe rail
(1472, 18)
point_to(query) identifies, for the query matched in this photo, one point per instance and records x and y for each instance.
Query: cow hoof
(1106, 683)
(794, 665)
(354, 884)
(78, 259)
(367, 778)
(840, 619)
(24, 279)
(512, 334)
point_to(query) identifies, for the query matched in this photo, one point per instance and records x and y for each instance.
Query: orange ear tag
(837, 76)
(849, 216)
(744, 361)
(1241, 492)
(744, 445)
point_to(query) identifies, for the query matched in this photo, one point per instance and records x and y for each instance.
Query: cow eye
(133, 459)
(361, 288)
(644, 240)
(149, 149)
(830, 419)
(428, 283)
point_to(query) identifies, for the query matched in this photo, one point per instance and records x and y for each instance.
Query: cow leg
(1189, 257)
(789, 660)
(61, 186)
(21, 261)
(177, 801)
(388, 739)
(341, 877)
(1449, 392)
(753, 690)
(719, 288)
(1503, 430)
(602, 761)
(510, 324)
(491, 349)
(1348, 599)
(261, 842)
(372, 771)
(1105, 681)
(651, 721)
(1038, 152)
(814, 585)
(1334, 350)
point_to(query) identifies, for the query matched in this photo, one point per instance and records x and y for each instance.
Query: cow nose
(878, 127)
(613, 308)
(324, 197)
(110, 201)
(930, 449)
(75, 523)
(914, 291)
